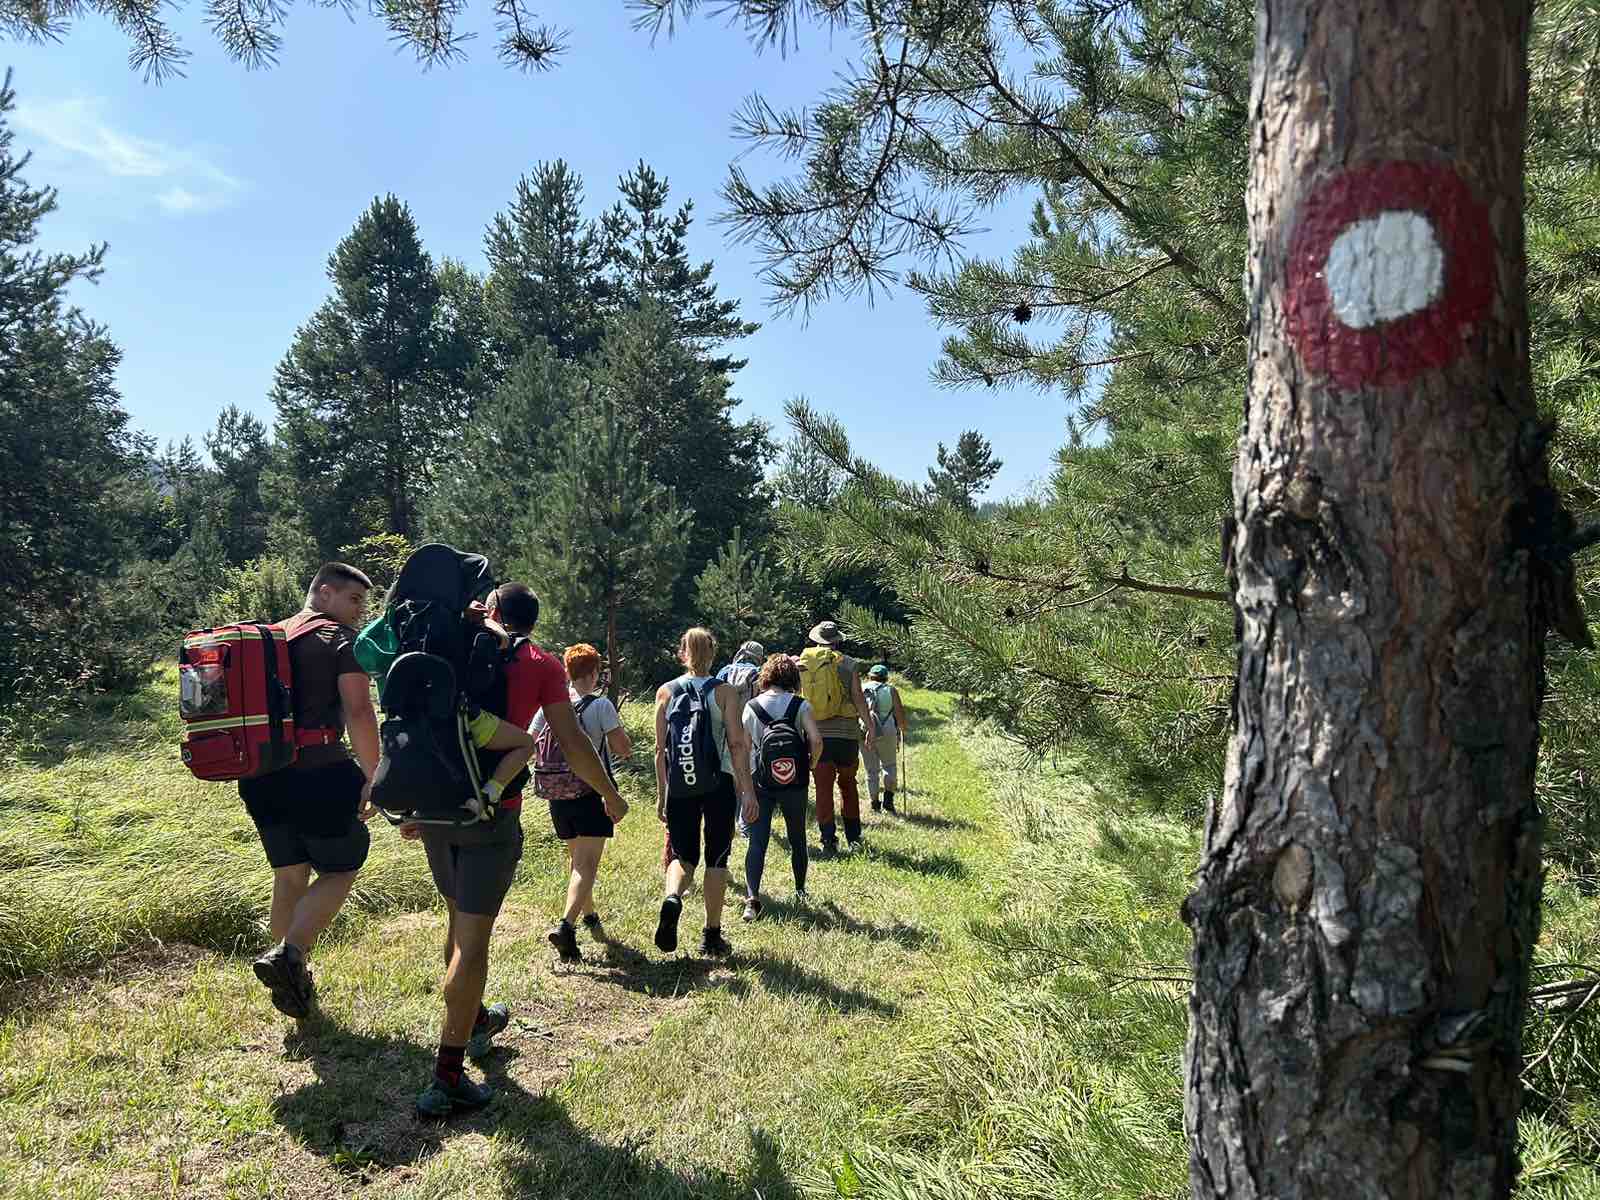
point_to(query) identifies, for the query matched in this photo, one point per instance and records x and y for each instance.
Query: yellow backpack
(821, 685)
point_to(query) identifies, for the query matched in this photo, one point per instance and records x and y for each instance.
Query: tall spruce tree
(607, 542)
(364, 412)
(545, 257)
(70, 467)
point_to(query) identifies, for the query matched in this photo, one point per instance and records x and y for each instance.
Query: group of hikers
(734, 748)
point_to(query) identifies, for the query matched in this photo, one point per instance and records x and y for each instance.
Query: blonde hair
(698, 649)
(582, 659)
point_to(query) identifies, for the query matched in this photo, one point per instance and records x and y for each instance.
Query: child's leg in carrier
(503, 736)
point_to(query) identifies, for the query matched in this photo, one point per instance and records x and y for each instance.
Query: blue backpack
(694, 763)
(741, 675)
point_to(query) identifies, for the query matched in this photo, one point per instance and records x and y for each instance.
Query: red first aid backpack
(236, 699)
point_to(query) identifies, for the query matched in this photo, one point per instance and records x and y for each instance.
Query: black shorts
(310, 817)
(715, 810)
(473, 866)
(842, 752)
(584, 816)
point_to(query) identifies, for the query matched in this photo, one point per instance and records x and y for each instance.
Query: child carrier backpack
(780, 750)
(820, 683)
(428, 770)
(553, 777)
(236, 700)
(694, 764)
(741, 675)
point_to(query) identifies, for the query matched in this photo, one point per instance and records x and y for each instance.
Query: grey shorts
(473, 866)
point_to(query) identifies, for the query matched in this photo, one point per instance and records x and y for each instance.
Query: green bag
(376, 648)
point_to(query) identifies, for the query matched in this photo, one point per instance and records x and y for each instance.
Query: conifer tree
(363, 412)
(739, 598)
(607, 542)
(545, 256)
(962, 475)
(241, 453)
(70, 467)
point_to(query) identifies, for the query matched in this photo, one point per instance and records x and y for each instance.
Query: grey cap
(754, 651)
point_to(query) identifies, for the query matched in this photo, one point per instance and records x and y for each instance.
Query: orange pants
(840, 761)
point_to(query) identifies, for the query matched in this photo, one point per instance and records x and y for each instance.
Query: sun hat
(827, 633)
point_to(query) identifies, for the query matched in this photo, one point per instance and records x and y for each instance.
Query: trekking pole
(905, 776)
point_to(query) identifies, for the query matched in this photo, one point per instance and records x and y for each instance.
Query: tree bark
(1368, 899)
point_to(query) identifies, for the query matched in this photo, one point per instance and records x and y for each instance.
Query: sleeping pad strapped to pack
(428, 771)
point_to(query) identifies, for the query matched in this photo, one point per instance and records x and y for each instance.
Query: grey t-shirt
(773, 701)
(598, 719)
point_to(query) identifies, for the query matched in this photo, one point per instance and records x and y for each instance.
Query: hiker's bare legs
(585, 853)
(317, 908)
(289, 886)
(716, 886)
(679, 878)
(465, 976)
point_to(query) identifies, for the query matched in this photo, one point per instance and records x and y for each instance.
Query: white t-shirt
(775, 702)
(597, 720)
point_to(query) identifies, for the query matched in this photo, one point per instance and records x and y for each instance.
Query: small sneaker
(752, 910)
(713, 943)
(597, 931)
(491, 1021)
(440, 1099)
(283, 970)
(565, 939)
(667, 926)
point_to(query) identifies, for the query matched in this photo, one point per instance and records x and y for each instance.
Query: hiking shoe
(801, 896)
(877, 806)
(565, 939)
(491, 1021)
(713, 943)
(829, 850)
(283, 970)
(667, 927)
(752, 910)
(596, 930)
(888, 803)
(440, 1099)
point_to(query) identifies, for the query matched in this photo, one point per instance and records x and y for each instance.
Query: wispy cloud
(181, 181)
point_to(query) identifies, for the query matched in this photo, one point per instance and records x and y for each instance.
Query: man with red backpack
(310, 815)
(582, 817)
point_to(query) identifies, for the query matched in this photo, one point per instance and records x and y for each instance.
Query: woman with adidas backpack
(785, 744)
(702, 775)
(579, 815)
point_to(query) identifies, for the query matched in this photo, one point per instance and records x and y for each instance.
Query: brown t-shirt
(317, 659)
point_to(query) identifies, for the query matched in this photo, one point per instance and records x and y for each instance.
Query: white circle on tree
(1383, 268)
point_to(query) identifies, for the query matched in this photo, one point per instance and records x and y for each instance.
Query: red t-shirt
(533, 679)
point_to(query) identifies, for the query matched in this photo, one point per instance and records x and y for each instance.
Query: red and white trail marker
(1391, 268)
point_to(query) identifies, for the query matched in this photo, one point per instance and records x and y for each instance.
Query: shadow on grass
(827, 916)
(939, 864)
(359, 1115)
(934, 821)
(682, 974)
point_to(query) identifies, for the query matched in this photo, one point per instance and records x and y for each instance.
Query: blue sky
(222, 193)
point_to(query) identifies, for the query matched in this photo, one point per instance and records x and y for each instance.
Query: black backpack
(694, 764)
(781, 756)
(428, 770)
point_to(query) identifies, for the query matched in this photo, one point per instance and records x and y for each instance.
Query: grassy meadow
(989, 1003)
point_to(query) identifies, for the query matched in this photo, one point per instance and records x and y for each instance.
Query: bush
(266, 589)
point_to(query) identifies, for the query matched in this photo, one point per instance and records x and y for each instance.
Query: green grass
(989, 1004)
(138, 1056)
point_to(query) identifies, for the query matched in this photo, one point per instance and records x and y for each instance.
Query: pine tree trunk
(1369, 895)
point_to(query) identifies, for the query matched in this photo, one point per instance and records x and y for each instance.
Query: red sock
(448, 1066)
